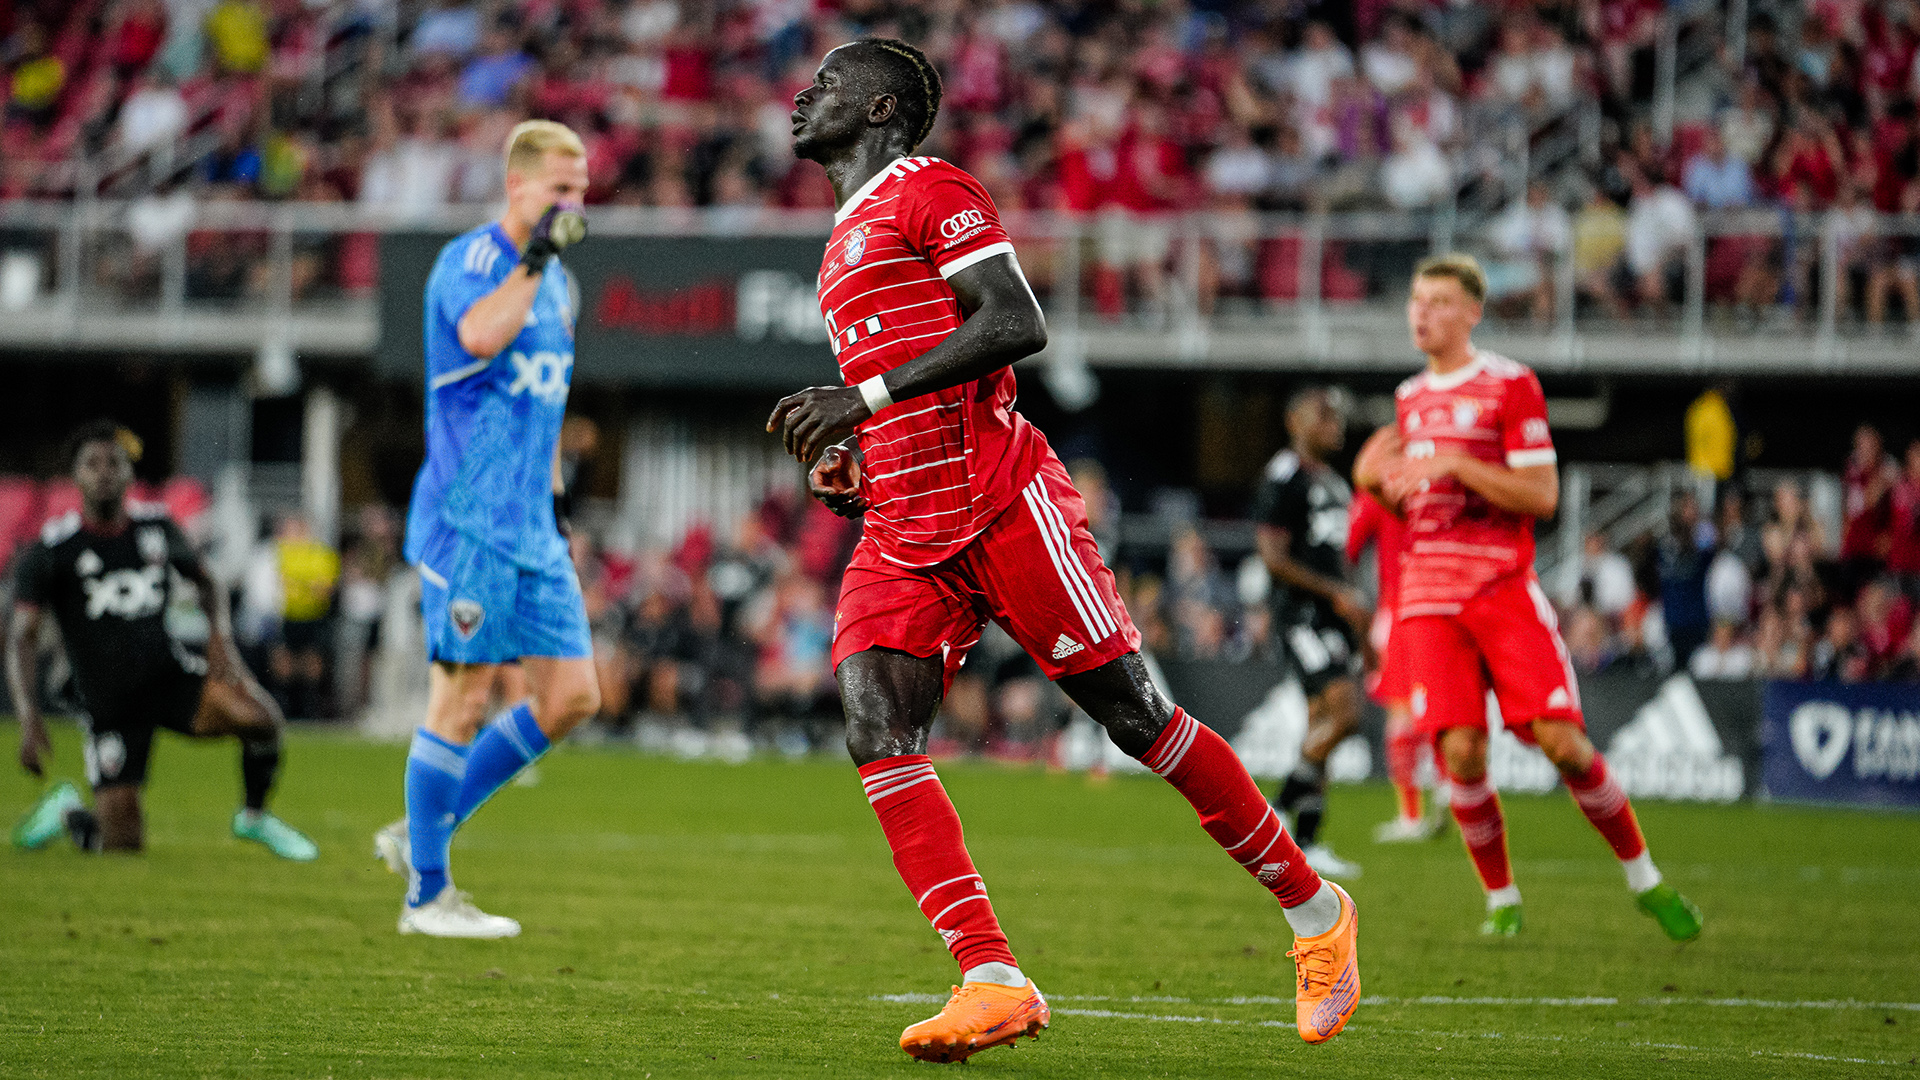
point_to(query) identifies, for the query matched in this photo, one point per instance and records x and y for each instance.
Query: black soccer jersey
(109, 594)
(1309, 500)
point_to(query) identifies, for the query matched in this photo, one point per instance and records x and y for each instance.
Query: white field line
(1439, 999)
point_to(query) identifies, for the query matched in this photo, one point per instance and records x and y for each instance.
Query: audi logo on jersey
(961, 222)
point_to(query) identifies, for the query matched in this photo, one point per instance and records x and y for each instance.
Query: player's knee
(1465, 753)
(1565, 745)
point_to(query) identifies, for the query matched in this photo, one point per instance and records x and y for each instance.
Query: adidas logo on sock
(1270, 872)
(1066, 647)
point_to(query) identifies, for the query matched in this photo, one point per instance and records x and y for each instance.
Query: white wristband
(874, 393)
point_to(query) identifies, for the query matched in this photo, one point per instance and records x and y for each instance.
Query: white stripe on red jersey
(1458, 543)
(946, 464)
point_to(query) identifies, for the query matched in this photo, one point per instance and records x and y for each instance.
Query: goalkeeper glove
(563, 225)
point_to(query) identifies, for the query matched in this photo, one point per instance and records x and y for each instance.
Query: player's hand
(1378, 455)
(835, 481)
(561, 227)
(816, 418)
(1353, 610)
(35, 747)
(1412, 475)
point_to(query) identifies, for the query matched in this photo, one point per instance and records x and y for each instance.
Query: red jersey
(1368, 521)
(936, 469)
(1458, 543)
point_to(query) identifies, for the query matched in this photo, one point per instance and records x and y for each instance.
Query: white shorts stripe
(1543, 608)
(1064, 537)
(428, 573)
(1053, 553)
(1072, 573)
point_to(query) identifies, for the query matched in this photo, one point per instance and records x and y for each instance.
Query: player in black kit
(1300, 514)
(105, 573)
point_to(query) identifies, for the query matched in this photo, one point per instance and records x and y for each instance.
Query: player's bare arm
(1274, 543)
(1531, 489)
(1375, 460)
(1003, 325)
(542, 218)
(23, 675)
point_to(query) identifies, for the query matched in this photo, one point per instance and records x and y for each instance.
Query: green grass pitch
(689, 920)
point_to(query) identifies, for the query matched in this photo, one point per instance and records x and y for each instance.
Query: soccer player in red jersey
(970, 516)
(1469, 466)
(1373, 524)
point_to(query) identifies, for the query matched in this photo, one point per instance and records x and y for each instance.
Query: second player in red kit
(970, 517)
(1470, 465)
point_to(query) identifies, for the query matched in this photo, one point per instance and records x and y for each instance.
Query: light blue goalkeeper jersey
(492, 422)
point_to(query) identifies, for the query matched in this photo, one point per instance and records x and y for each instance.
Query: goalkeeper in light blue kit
(496, 582)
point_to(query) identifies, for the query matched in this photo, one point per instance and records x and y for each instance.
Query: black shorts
(1321, 649)
(122, 718)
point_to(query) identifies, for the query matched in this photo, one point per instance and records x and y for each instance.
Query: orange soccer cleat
(979, 1016)
(1327, 973)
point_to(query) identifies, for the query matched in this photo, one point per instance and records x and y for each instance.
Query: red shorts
(1387, 682)
(1506, 638)
(1036, 571)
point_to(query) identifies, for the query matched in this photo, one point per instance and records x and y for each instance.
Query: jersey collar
(500, 234)
(865, 191)
(1458, 376)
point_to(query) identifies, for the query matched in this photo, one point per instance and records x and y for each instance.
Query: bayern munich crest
(856, 245)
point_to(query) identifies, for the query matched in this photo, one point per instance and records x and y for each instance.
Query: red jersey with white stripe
(936, 469)
(1370, 523)
(1458, 543)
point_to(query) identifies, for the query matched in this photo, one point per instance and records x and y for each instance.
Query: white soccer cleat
(1327, 864)
(1406, 830)
(393, 845)
(452, 915)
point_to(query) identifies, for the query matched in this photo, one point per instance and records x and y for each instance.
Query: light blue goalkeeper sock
(507, 745)
(435, 768)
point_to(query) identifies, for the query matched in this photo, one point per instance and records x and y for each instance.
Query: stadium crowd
(1129, 113)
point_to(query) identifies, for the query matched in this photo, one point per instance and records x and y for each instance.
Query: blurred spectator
(1899, 271)
(1683, 580)
(1660, 225)
(1840, 655)
(309, 572)
(449, 27)
(1599, 245)
(1866, 537)
(1605, 580)
(1712, 437)
(153, 115)
(237, 29)
(1903, 549)
(490, 79)
(1528, 238)
(1724, 656)
(1717, 179)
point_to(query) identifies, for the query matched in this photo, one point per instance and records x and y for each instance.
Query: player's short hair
(102, 430)
(909, 76)
(530, 141)
(1459, 266)
(1337, 398)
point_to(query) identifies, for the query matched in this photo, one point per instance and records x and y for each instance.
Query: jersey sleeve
(465, 275)
(180, 550)
(33, 577)
(951, 221)
(1363, 524)
(1523, 424)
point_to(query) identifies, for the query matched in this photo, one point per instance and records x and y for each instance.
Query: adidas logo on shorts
(1066, 647)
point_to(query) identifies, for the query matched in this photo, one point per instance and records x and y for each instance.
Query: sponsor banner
(654, 311)
(1670, 738)
(1843, 743)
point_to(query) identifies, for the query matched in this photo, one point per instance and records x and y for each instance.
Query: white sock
(994, 972)
(1641, 873)
(1499, 898)
(251, 816)
(1316, 915)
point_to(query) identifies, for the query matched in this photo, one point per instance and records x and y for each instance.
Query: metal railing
(1749, 290)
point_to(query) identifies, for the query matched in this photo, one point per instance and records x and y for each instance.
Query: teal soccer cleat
(279, 837)
(47, 818)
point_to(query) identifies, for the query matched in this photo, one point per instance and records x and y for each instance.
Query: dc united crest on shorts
(467, 617)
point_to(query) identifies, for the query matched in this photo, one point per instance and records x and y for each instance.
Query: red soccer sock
(931, 854)
(1600, 798)
(1476, 807)
(1403, 755)
(1201, 766)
